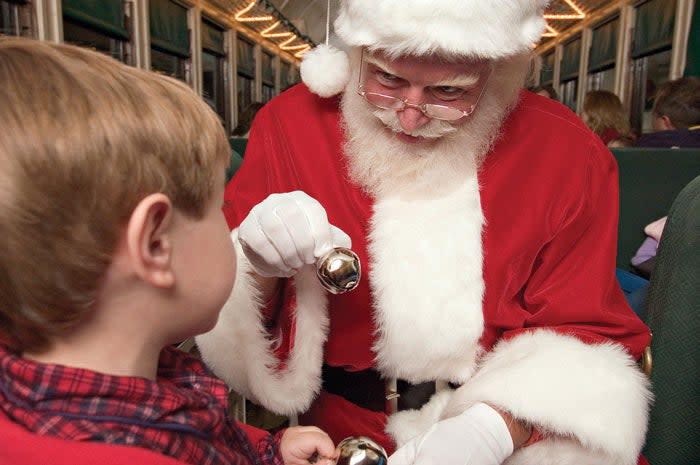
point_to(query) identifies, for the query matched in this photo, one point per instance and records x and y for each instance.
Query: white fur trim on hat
(483, 28)
(325, 70)
(477, 28)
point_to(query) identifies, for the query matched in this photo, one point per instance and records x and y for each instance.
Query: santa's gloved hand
(477, 436)
(287, 231)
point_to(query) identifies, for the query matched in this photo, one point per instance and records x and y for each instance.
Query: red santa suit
(503, 285)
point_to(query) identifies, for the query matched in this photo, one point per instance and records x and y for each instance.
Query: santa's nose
(412, 118)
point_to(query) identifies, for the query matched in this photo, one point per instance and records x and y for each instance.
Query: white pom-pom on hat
(325, 70)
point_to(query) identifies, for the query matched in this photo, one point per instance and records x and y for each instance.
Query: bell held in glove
(339, 270)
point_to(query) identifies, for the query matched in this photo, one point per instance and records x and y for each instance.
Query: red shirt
(183, 414)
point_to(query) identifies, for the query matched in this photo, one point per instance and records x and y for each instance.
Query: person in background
(242, 129)
(546, 91)
(604, 114)
(485, 219)
(643, 259)
(239, 137)
(114, 249)
(676, 115)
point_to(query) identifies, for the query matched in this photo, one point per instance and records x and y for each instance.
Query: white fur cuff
(594, 393)
(240, 351)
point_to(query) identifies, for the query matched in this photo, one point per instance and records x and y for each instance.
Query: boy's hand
(301, 445)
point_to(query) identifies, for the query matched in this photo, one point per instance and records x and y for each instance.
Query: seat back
(673, 315)
(650, 179)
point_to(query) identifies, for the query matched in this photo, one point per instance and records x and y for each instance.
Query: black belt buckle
(403, 395)
(414, 396)
(367, 389)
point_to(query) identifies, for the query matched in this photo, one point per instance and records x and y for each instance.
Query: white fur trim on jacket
(485, 28)
(240, 351)
(428, 328)
(593, 394)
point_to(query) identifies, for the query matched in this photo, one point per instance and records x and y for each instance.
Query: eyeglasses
(435, 111)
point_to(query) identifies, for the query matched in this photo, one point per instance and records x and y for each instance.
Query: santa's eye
(447, 92)
(387, 79)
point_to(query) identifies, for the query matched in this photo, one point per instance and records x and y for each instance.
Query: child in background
(604, 114)
(113, 248)
(643, 260)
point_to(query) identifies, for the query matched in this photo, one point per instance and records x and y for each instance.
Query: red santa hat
(476, 28)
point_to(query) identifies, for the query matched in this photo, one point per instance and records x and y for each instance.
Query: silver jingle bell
(360, 450)
(339, 270)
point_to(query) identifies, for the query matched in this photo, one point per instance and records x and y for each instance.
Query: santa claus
(488, 327)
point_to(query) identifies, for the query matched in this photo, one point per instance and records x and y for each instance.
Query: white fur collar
(427, 282)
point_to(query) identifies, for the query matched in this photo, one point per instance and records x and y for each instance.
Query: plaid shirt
(183, 414)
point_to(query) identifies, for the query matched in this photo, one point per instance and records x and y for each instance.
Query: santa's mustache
(434, 129)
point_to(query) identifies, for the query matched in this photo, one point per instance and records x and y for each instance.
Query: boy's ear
(149, 241)
(666, 123)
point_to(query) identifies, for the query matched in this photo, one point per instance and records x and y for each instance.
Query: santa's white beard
(381, 163)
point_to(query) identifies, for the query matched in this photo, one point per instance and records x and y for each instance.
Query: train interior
(236, 53)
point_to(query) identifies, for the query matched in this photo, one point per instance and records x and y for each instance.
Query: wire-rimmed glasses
(431, 110)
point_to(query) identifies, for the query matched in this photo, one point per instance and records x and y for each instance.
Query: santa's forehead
(430, 67)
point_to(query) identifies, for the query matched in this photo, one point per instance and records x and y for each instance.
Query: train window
(648, 73)
(601, 61)
(285, 75)
(296, 77)
(170, 38)
(547, 70)
(245, 70)
(97, 25)
(570, 72)
(651, 57)
(15, 18)
(213, 65)
(268, 76)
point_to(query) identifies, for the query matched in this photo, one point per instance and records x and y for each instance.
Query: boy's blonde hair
(83, 139)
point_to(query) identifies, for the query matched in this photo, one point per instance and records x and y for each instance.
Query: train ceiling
(564, 14)
(297, 24)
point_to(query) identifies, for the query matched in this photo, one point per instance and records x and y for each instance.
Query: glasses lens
(444, 113)
(384, 101)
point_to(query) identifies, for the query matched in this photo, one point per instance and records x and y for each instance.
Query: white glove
(287, 231)
(477, 436)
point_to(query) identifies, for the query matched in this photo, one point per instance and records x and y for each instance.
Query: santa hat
(476, 28)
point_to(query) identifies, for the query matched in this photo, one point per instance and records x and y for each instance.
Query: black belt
(368, 389)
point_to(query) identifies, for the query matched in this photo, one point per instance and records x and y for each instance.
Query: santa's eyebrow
(462, 80)
(459, 80)
(380, 64)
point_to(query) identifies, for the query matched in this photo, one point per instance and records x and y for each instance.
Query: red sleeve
(269, 449)
(572, 286)
(267, 168)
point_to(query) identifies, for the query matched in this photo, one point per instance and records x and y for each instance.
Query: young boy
(113, 248)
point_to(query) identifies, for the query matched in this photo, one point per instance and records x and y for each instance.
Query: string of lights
(292, 40)
(281, 27)
(576, 14)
